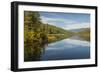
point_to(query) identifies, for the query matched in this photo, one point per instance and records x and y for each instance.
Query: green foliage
(32, 20)
(34, 37)
(37, 35)
(55, 30)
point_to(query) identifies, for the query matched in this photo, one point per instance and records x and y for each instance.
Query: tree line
(37, 35)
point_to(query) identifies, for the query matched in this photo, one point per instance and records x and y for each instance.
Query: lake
(67, 49)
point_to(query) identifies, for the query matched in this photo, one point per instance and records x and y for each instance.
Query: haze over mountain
(78, 30)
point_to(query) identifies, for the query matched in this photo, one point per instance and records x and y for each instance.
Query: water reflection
(33, 51)
(69, 48)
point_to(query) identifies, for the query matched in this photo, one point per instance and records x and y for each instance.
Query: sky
(68, 21)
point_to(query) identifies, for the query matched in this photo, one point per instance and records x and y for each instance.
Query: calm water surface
(70, 48)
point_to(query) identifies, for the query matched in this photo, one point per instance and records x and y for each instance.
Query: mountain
(78, 30)
(85, 34)
(55, 33)
(51, 29)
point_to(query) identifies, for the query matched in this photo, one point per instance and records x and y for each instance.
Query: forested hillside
(85, 33)
(55, 33)
(37, 34)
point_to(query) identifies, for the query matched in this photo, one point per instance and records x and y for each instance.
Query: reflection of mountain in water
(69, 48)
(74, 47)
(66, 49)
(78, 38)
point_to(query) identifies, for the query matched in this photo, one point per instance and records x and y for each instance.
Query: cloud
(77, 26)
(65, 23)
(54, 20)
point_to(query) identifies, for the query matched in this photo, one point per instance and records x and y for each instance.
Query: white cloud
(65, 23)
(48, 19)
(77, 26)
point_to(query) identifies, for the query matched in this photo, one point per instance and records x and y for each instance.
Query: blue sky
(67, 21)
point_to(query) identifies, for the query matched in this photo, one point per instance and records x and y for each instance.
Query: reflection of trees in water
(35, 48)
